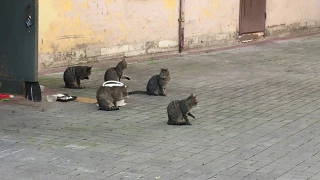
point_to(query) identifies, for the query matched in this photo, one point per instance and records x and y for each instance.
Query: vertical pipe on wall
(181, 25)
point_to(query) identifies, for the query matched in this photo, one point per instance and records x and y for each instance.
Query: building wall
(83, 31)
(210, 22)
(287, 16)
(79, 31)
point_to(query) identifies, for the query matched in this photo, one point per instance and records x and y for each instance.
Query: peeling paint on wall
(217, 4)
(171, 6)
(210, 9)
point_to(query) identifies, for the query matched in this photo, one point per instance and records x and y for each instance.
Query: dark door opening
(18, 45)
(252, 16)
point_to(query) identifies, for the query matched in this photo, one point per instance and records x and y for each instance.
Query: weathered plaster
(83, 31)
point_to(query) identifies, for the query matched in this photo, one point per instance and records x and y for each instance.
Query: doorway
(252, 16)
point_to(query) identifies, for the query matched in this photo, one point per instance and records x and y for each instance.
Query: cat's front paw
(82, 87)
(188, 123)
(163, 94)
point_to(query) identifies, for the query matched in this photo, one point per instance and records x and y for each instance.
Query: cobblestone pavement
(258, 118)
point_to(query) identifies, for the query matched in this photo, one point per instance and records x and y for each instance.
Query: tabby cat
(107, 97)
(157, 84)
(179, 109)
(73, 75)
(116, 73)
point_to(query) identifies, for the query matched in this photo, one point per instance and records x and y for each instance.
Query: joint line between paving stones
(263, 135)
(285, 153)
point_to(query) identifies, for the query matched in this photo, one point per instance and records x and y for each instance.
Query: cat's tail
(179, 123)
(137, 92)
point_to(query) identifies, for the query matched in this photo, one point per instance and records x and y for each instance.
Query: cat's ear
(191, 95)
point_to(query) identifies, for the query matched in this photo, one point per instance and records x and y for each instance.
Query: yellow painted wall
(67, 24)
(288, 12)
(205, 17)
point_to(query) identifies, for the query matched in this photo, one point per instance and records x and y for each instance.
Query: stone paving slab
(258, 118)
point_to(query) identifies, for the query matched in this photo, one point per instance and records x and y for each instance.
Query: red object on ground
(5, 96)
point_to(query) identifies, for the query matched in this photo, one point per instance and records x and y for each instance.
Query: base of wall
(100, 54)
(284, 30)
(95, 54)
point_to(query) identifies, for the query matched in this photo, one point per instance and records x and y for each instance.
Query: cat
(116, 73)
(157, 84)
(73, 75)
(179, 109)
(107, 97)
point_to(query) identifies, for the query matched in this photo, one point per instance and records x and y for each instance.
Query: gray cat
(116, 73)
(157, 84)
(107, 97)
(179, 109)
(73, 75)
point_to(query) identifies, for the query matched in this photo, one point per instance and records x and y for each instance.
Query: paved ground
(258, 118)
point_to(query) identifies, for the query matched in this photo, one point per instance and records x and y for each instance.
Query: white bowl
(51, 98)
(42, 88)
(112, 84)
(121, 103)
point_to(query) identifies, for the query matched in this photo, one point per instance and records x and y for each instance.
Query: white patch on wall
(137, 47)
(114, 50)
(135, 53)
(167, 43)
